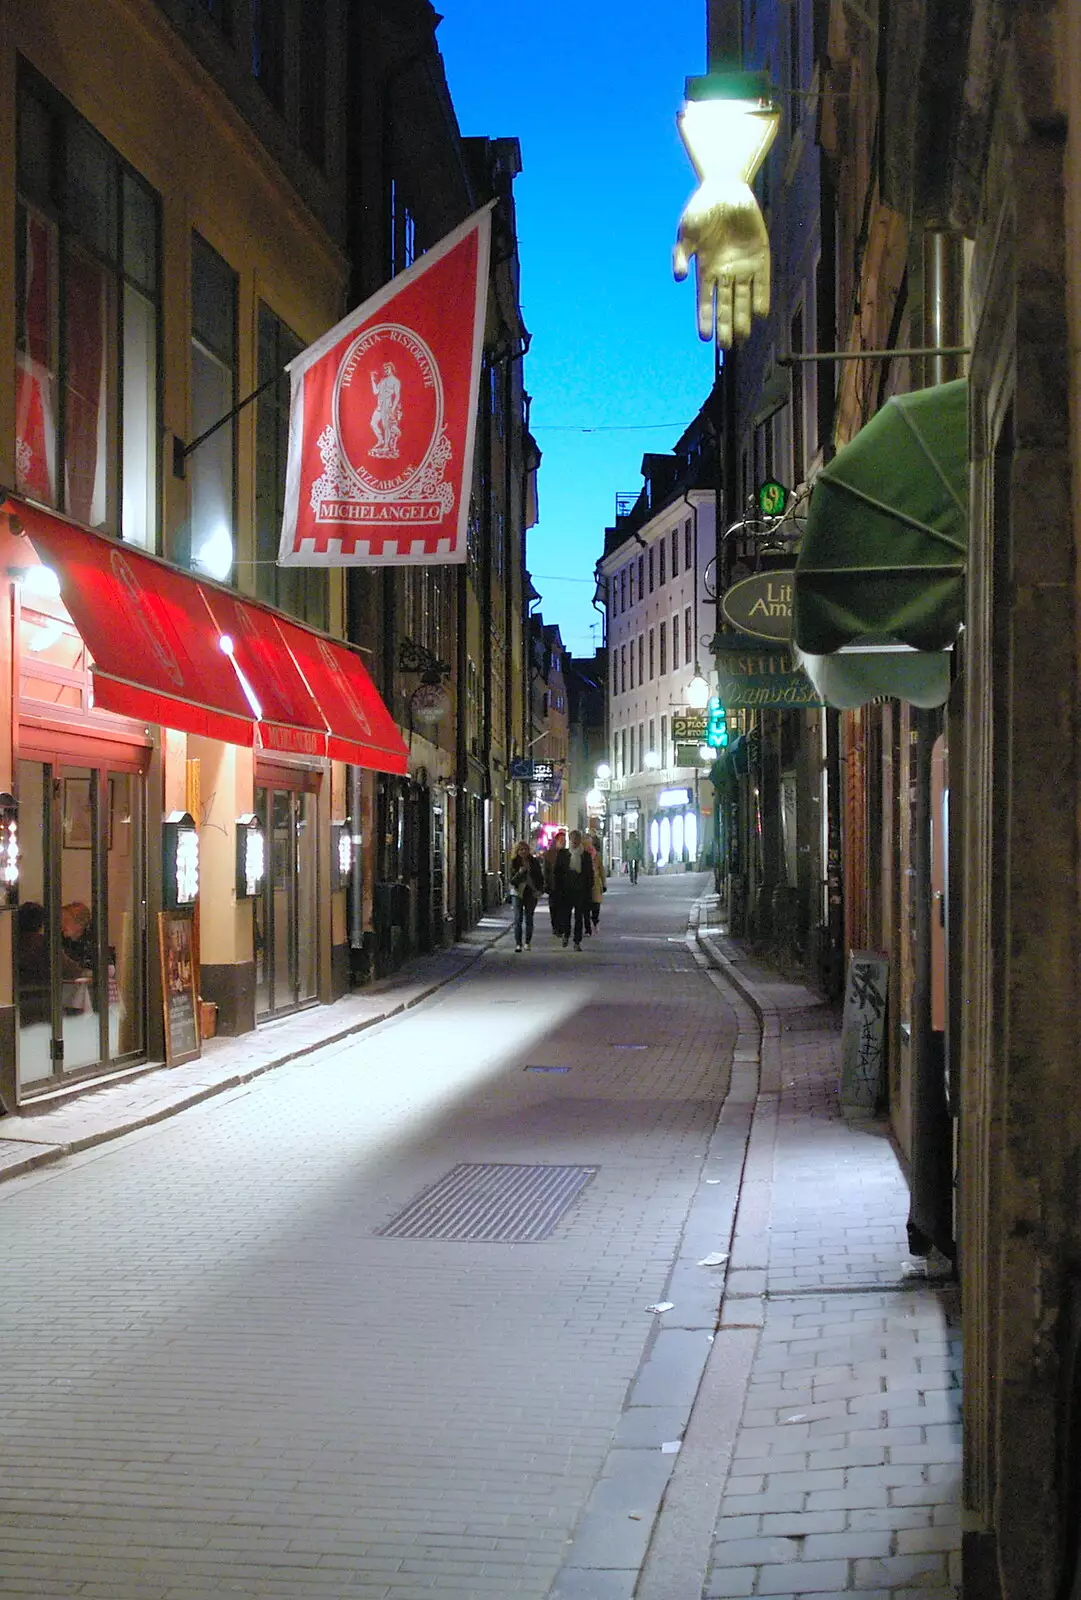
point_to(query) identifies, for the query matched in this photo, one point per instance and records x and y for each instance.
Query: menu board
(179, 1005)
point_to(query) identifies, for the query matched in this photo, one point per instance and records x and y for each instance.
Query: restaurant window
(87, 309)
(212, 467)
(662, 645)
(302, 591)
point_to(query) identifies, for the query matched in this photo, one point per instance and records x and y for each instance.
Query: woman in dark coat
(554, 886)
(574, 878)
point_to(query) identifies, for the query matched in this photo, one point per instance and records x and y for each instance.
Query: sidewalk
(69, 1120)
(823, 1455)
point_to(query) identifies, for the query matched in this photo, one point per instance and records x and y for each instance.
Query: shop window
(210, 546)
(87, 310)
(302, 591)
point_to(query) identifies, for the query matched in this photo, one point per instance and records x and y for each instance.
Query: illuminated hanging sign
(688, 727)
(180, 861)
(9, 850)
(727, 125)
(761, 679)
(250, 857)
(772, 498)
(673, 797)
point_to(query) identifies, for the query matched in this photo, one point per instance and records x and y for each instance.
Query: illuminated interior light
(215, 555)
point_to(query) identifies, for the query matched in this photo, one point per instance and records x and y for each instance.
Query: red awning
(176, 650)
(362, 730)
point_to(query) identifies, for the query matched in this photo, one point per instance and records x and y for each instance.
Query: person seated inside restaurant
(35, 965)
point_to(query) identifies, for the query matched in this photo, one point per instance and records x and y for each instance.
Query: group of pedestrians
(572, 875)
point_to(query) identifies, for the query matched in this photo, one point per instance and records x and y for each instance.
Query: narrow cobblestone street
(221, 1379)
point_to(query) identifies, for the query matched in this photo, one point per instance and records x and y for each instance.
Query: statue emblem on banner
(407, 462)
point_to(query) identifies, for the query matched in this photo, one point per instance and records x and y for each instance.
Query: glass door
(80, 949)
(286, 913)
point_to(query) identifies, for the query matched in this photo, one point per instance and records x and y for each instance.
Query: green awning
(883, 555)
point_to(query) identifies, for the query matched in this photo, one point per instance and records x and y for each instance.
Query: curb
(50, 1154)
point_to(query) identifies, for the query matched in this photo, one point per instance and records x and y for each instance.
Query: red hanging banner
(382, 418)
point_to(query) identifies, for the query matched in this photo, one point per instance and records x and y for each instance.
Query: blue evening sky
(591, 88)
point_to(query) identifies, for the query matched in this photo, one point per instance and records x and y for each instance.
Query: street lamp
(652, 759)
(604, 772)
(698, 688)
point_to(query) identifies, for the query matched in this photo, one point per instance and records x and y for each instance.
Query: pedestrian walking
(526, 885)
(575, 879)
(600, 882)
(555, 884)
(632, 854)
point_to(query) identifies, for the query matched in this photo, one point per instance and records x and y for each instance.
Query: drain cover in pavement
(539, 1068)
(492, 1201)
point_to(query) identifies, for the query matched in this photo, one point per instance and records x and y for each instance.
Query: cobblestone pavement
(842, 1476)
(220, 1379)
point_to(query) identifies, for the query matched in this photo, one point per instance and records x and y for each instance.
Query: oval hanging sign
(761, 605)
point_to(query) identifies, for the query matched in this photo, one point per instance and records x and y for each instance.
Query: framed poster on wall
(179, 1005)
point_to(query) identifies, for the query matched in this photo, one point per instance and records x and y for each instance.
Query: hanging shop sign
(689, 727)
(761, 605)
(772, 498)
(382, 418)
(760, 679)
(523, 769)
(669, 798)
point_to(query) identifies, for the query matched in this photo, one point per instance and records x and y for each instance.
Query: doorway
(81, 945)
(286, 912)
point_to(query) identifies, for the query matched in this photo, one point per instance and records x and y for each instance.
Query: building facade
(659, 623)
(173, 250)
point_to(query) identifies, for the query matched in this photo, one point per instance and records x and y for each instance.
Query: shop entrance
(286, 913)
(80, 956)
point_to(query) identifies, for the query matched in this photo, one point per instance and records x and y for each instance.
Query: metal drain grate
(536, 1067)
(493, 1201)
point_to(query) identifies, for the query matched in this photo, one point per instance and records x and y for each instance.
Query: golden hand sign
(722, 225)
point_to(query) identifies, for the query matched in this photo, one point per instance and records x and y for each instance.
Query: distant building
(659, 625)
(586, 679)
